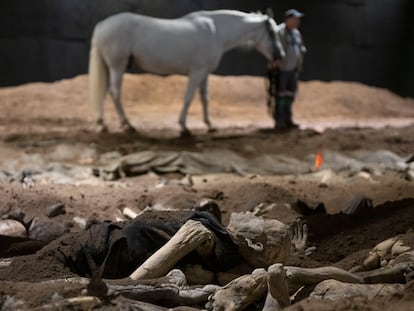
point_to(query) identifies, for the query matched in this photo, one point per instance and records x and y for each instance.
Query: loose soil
(53, 123)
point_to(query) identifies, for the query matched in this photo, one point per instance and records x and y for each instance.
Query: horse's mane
(252, 16)
(226, 12)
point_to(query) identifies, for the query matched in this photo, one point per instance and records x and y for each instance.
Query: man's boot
(279, 113)
(288, 113)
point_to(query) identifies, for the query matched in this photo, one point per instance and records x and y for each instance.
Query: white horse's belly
(177, 46)
(162, 65)
(166, 62)
(159, 46)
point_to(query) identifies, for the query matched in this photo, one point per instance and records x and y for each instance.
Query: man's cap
(293, 12)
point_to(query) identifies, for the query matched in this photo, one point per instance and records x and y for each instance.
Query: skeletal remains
(258, 273)
(266, 244)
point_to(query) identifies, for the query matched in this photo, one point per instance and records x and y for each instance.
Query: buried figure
(115, 250)
(246, 259)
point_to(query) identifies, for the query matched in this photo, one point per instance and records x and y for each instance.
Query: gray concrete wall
(371, 41)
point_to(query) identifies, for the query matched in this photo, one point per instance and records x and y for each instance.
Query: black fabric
(226, 252)
(146, 236)
(96, 242)
(118, 249)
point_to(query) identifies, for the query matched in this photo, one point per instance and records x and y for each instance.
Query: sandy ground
(43, 124)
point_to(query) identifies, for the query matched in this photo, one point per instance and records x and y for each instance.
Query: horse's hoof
(212, 130)
(128, 129)
(101, 129)
(185, 133)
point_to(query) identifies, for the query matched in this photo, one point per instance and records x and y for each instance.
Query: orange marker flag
(318, 160)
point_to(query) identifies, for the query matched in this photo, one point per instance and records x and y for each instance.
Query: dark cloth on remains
(119, 248)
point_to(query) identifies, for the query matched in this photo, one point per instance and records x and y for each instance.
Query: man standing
(285, 73)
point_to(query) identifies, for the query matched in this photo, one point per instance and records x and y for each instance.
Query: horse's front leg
(100, 126)
(194, 80)
(115, 78)
(204, 102)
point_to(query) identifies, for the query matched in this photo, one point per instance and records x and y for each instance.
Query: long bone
(191, 236)
(240, 292)
(297, 277)
(277, 285)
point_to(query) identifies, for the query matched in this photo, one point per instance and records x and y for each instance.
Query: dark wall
(371, 41)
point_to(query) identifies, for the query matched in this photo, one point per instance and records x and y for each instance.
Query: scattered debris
(55, 210)
(358, 207)
(46, 230)
(11, 227)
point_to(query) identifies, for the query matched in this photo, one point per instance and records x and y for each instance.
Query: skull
(262, 242)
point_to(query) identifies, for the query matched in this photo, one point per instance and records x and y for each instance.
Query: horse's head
(270, 44)
(276, 46)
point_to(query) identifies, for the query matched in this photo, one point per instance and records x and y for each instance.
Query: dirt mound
(339, 99)
(154, 101)
(242, 197)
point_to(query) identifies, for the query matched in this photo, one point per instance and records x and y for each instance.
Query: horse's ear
(269, 12)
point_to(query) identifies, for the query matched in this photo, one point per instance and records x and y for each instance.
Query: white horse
(191, 45)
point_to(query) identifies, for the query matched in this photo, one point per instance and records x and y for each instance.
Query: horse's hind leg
(204, 102)
(115, 84)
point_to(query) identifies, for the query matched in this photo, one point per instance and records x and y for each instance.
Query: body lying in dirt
(246, 257)
(116, 249)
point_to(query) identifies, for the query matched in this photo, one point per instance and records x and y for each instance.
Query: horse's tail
(98, 81)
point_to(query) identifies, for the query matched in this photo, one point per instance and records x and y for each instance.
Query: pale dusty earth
(44, 125)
